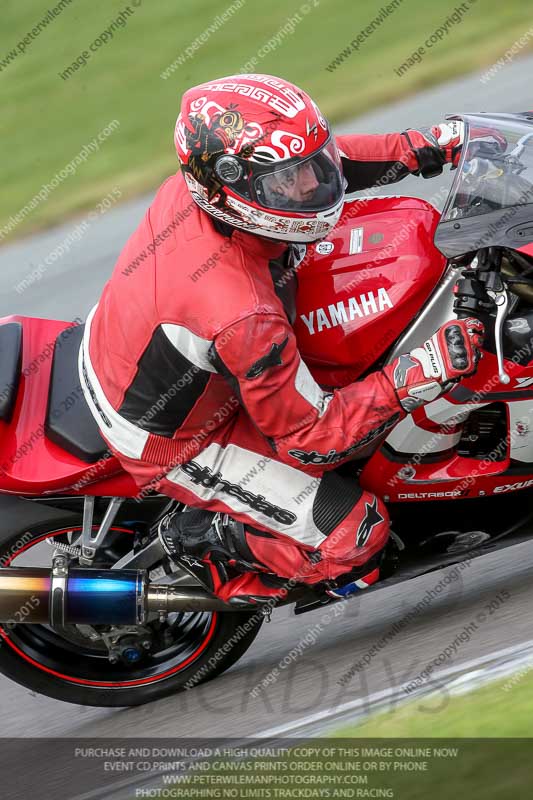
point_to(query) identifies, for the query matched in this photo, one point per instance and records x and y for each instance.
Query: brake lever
(501, 301)
(477, 290)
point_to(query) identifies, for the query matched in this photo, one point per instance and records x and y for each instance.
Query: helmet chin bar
(328, 218)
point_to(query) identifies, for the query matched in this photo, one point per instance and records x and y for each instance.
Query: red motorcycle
(93, 610)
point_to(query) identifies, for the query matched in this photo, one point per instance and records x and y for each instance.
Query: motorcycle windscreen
(491, 199)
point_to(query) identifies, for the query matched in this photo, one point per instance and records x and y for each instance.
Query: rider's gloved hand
(450, 137)
(429, 371)
(437, 146)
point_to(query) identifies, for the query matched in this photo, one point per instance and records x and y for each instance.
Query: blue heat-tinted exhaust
(65, 595)
(104, 597)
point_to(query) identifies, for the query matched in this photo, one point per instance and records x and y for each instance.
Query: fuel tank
(361, 287)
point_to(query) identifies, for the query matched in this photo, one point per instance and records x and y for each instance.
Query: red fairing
(362, 287)
(29, 462)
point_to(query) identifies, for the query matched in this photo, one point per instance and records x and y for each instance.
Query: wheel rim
(45, 649)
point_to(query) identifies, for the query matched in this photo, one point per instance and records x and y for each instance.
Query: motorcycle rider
(191, 367)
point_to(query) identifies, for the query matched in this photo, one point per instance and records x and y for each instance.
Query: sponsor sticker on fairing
(512, 487)
(429, 495)
(356, 241)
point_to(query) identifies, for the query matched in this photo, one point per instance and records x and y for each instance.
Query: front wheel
(73, 663)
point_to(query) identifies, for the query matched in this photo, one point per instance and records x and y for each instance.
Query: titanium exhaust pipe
(63, 596)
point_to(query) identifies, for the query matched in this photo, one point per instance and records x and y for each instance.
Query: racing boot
(212, 547)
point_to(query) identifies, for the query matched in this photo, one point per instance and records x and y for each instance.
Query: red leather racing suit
(191, 369)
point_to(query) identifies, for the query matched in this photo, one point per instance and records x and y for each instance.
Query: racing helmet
(257, 154)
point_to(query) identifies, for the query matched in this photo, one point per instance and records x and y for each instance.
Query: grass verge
(501, 709)
(488, 769)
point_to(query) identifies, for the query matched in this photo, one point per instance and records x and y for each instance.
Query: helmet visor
(311, 184)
